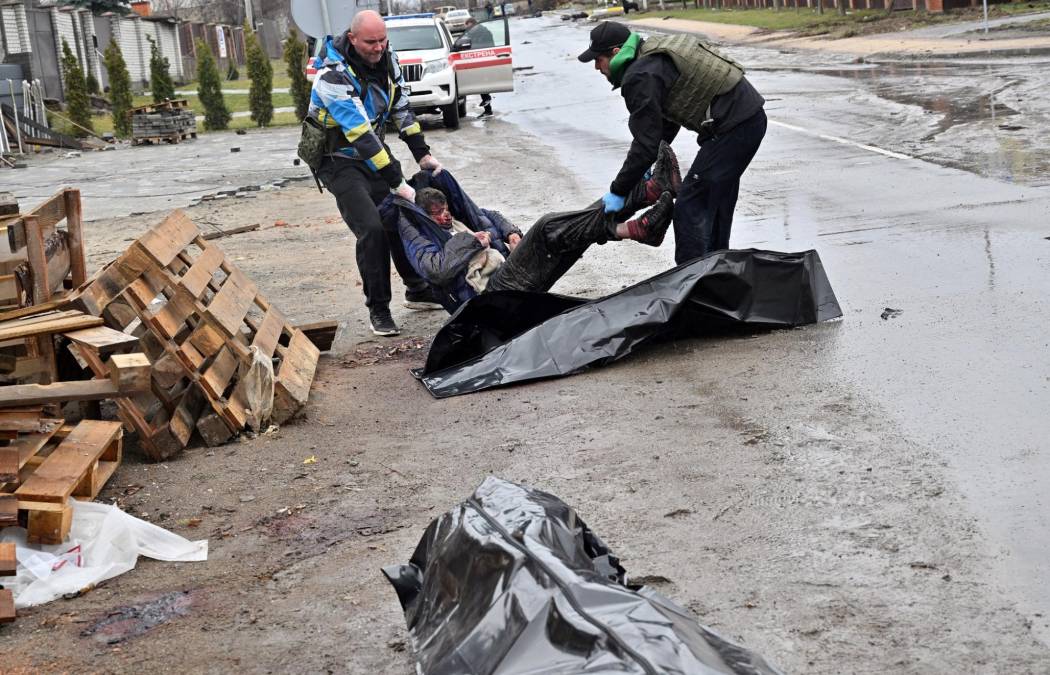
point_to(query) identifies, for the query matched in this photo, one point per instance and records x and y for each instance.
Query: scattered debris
(131, 621)
(889, 313)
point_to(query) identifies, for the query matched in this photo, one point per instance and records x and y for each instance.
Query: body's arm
(402, 117)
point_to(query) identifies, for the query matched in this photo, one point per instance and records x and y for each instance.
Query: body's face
(369, 41)
(601, 62)
(440, 214)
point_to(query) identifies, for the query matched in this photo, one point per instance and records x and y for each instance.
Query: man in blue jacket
(358, 90)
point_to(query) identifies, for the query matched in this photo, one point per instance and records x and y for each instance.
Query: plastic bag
(504, 337)
(104, 542)
(512, 581)
(256, 374)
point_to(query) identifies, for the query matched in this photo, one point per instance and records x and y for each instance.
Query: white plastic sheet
(104, 542)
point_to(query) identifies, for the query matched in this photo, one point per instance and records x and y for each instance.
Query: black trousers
(703, 212)
(557, 241)
(358, 190)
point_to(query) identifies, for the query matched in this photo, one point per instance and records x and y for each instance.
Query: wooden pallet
(177, 104)
(202, 317)
(78, 466)
(165, 138)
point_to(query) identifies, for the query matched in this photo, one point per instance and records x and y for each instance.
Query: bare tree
(176, 9)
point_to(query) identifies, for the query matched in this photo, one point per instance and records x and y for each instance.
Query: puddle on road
(895, 82)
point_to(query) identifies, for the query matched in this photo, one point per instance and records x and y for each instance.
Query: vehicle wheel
(463, 107)
(450, 115)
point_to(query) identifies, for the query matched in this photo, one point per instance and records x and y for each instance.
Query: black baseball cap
(604, 37)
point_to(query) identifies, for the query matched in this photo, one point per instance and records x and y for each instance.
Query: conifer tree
(78, 103)
(295, 57)
(119, 89)
(92, 84)
(260, 72)
(209, 90)
(160, 83)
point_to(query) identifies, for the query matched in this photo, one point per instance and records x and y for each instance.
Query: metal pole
(14, 106)
(325, 18)
(4, 145)
(985, 17)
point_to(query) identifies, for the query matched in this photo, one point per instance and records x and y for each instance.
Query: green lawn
(104, 123)
(280, 78)
(234, 102)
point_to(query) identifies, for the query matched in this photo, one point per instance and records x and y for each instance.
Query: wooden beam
(60, 392)
(130, 372)
(75, 237)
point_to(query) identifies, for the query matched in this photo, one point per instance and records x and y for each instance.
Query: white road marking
(843, 141)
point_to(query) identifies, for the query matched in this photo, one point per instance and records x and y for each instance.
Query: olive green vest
(703, 73)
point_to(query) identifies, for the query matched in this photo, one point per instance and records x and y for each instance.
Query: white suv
(423, 47)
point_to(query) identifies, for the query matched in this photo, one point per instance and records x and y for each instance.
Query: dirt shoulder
(783, 509)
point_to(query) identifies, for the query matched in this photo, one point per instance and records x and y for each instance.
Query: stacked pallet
(169, 121)
(201, 323)
(44, 461)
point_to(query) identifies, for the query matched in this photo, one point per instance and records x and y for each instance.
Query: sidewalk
(945, 42)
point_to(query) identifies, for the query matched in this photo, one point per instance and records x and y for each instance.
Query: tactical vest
(703, 74)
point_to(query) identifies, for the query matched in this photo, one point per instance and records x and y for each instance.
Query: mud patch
(132, 621)
(307, 536)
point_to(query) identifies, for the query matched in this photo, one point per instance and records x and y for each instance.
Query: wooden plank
(51, 212)
(17, 331)
(170, 319)
(218, 375)
(269, 331)
(28, 445)
(9, 262)
(233, 230)
(57, 266)
(213, 429)
(75, 236)
(130, 372)
(200, 273)
(112, 281)
(55, 304)
(7, 606)
(46, 522)
(230, 305)
(321, 333)
(37, 260)
(8, 464)
(294, 377)
(8, 561)
(166, 240)
(8, 511)
(65, 469)
(207, 339)
(103, 340)
(60, 392)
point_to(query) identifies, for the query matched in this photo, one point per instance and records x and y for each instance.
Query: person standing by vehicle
(357, 91)
(678, 81)
(480, 37)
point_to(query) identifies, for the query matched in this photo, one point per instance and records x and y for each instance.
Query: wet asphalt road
(923, 188)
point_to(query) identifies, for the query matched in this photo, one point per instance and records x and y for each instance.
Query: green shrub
(260, 72)
(295, 57)
(209, 90)
(78, 103)
(119, 89)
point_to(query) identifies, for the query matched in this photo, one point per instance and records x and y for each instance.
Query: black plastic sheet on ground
(504, 337)
(511, 581)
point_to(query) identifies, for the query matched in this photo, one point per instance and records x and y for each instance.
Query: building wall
(16, 30)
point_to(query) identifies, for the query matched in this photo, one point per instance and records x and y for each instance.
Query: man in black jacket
(673, 82)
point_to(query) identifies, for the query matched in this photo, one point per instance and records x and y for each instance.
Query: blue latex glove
(613, 203)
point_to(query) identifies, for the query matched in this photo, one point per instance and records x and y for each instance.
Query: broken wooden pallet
(78, 467)
(204, 318)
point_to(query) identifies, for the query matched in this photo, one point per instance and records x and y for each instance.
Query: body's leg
(703, 216)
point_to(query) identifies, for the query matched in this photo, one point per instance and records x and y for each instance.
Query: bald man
(357, 92)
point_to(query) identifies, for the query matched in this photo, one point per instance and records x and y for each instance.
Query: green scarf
(623, 58)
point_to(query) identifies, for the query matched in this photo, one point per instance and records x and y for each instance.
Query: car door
(482, 59)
